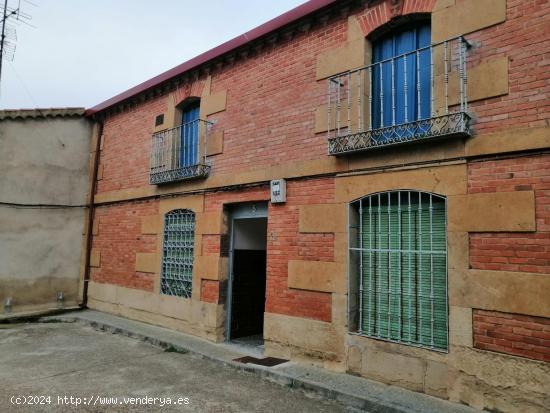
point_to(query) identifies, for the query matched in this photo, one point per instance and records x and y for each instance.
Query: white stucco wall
(42, 161)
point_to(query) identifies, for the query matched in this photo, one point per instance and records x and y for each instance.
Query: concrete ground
(72, 359)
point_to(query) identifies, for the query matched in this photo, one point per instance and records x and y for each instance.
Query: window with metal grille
(398, 268)
(178, 249)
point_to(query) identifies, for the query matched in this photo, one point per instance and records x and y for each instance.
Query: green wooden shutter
(403, 249)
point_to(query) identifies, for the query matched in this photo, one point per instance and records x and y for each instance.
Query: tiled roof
(41, 113)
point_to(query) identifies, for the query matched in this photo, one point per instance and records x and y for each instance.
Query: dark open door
(247, 278)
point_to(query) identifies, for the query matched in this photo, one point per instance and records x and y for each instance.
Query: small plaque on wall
(278, 191)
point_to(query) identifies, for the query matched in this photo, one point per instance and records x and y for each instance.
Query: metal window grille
(404, 97)
(180, 153)
(401, 246)
(178, 251)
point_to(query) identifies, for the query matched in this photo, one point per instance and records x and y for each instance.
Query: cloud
(83, 52)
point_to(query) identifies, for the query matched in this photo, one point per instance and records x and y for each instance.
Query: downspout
(91, 200)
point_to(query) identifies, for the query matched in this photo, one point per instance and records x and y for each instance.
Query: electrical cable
(39, 206)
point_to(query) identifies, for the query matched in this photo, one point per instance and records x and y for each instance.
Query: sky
(82, 52)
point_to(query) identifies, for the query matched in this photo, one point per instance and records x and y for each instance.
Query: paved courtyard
(70, 359)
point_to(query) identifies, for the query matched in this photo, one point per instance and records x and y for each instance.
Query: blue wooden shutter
(411, 70)
(190, 136)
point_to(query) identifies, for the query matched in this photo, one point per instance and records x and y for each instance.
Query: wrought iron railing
(180, 153)
(412, 97)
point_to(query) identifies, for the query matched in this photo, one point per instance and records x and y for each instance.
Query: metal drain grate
(267, 361)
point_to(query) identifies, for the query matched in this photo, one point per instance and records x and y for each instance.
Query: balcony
(413, 97)
(179, 153)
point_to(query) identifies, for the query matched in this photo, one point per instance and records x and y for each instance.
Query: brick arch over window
(398, 268)
(192, 89)
(188, 102)
(383, 12)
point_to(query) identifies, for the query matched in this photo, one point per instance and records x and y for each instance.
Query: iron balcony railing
(411, 97)
(180, 153)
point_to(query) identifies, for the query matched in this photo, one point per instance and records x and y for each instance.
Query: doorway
(247, 274)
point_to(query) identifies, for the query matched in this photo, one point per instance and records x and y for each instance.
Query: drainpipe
(91, 200)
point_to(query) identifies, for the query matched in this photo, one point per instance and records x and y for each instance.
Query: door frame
(247, 210)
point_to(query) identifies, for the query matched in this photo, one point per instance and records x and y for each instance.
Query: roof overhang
(233, 44)
(40, 113)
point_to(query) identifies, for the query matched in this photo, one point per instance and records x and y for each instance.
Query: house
(359, 184)
(44, 180)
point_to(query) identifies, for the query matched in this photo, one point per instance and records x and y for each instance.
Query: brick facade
(269, 124)
(119, 238)
(257, 136)
(285, 243)
(514, 334)
(210, 291)
(527, 252)
(525, 105)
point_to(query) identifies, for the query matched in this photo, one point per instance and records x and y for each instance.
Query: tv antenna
(9, 34)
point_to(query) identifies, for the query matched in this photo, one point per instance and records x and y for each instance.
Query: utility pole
(8, 35)
(4, 20)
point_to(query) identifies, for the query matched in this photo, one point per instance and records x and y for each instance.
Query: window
(178, 251)
(179, 153)
(159, 119)
(401, 76)
(413, 90)
(190, 135)
(399, 256)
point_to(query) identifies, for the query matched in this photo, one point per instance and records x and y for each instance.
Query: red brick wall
(528, 252)
(519, 335)
(381, 13)
(120, 238)
(271, 102)
(524, 38)
(127, 147)
(286, 243)
(210, 291)
(118, 241)
(273, 94)
(211, 244)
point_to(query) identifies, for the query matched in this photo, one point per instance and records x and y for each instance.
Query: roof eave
(239, 41)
